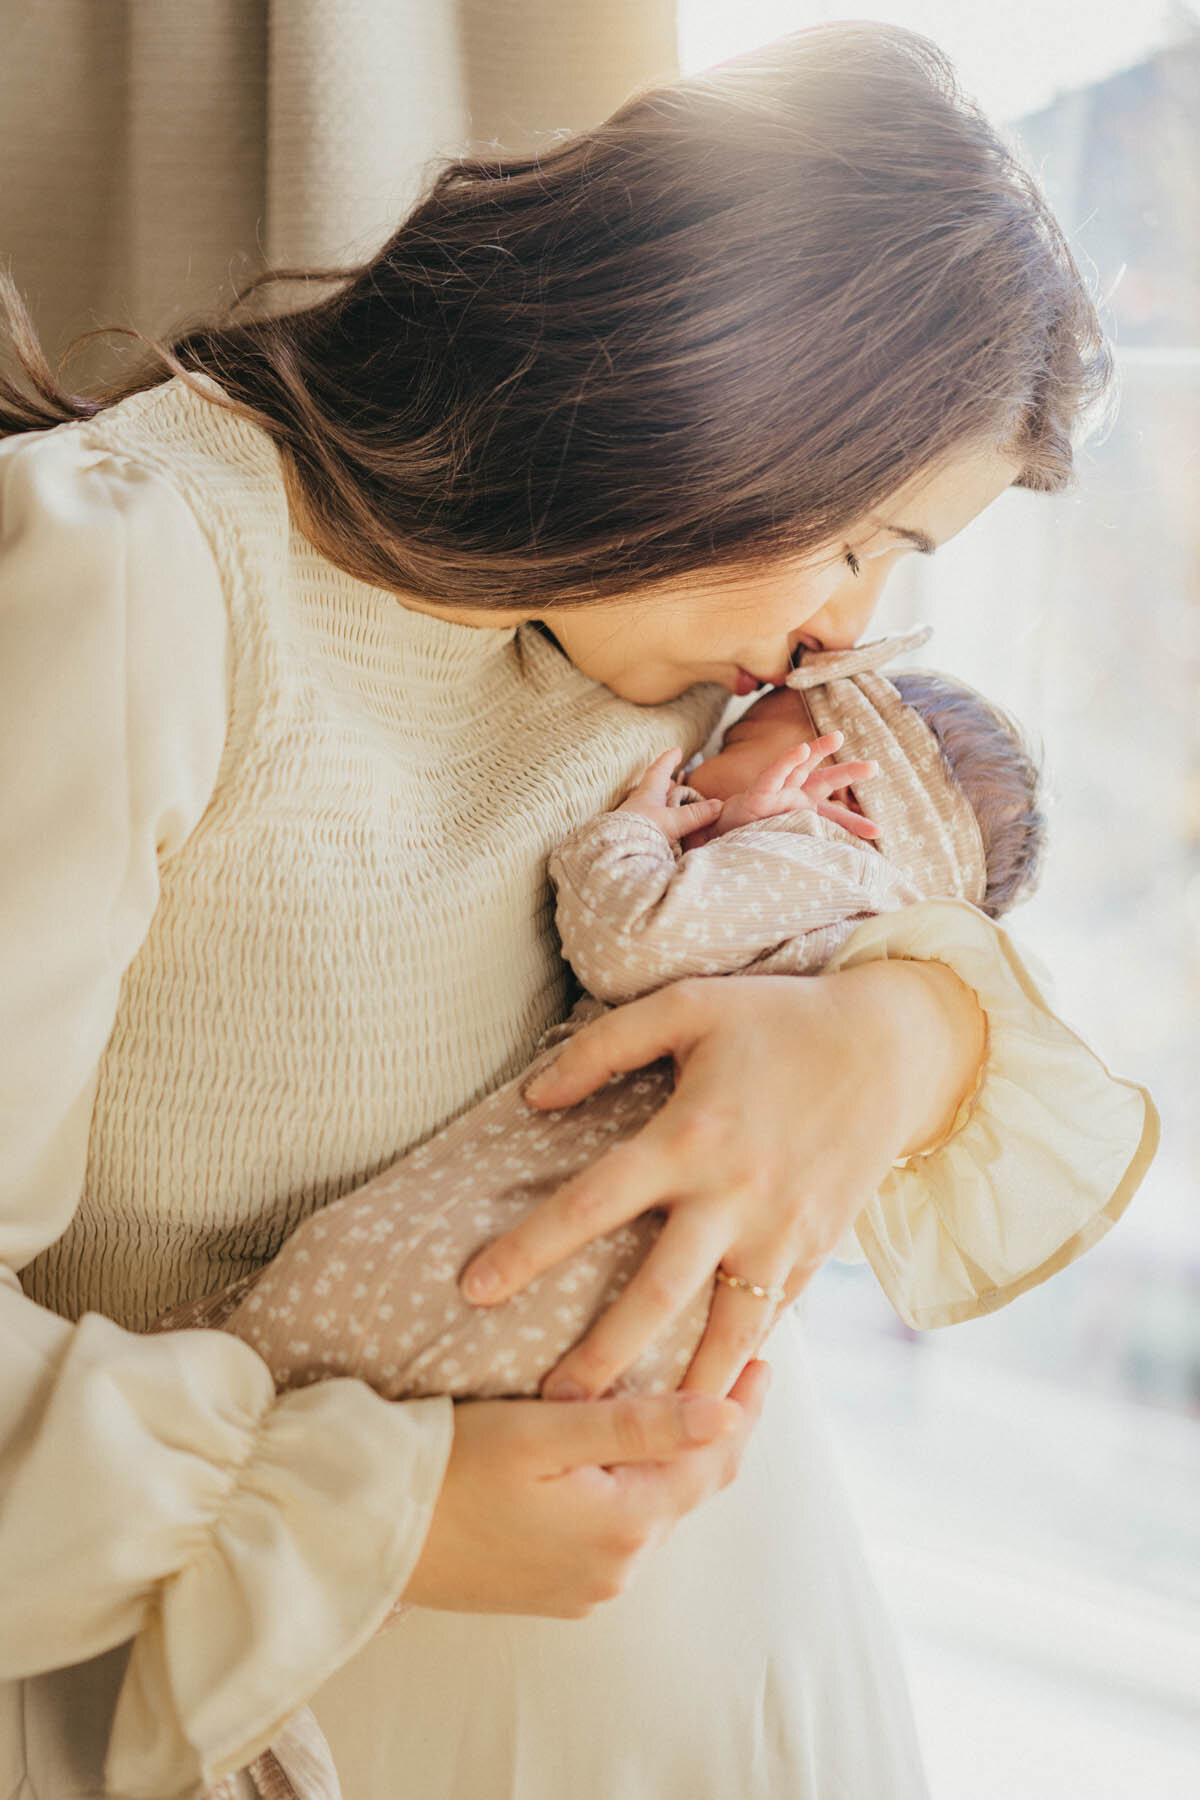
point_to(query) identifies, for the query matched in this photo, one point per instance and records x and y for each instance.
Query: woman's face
(742, 632)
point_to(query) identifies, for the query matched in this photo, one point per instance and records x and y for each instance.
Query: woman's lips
(747, 683)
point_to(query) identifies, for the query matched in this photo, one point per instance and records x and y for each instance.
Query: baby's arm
(634, 913)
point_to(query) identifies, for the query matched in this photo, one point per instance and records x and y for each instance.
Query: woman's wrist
(936, 1041)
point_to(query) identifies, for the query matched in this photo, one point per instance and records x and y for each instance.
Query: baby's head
(956, 796)
(993, 766)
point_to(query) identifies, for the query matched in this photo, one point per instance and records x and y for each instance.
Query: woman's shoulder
(173, 447)
(187, 435)
(177, 478)
(113, 615)
(72, 503)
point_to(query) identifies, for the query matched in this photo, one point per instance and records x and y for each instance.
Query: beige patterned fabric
(368, 1285)
(370, 1282)
(927, 827)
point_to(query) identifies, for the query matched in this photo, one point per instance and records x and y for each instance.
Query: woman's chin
(655, 687)
(641, 691)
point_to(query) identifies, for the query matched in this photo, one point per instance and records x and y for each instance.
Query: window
(1030, 1483)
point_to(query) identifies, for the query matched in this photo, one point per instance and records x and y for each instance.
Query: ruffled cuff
(321, 1527)
(1043, 1157)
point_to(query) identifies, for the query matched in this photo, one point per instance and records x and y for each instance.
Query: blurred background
(1029, 1485)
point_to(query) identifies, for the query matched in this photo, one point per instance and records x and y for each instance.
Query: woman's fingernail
(541, 1084)
(565, 1389)
(481, 1282)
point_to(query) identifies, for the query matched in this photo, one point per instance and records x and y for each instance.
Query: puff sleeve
(1040, 1163)
(151, 1487)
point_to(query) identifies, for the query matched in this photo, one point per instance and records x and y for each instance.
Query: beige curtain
(157, 152)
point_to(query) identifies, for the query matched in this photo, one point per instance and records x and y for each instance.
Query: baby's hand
(650, 800)
(791, 782)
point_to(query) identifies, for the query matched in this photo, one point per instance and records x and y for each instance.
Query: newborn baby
(776, 883)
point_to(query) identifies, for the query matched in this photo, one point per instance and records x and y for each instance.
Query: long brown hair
(716, 329)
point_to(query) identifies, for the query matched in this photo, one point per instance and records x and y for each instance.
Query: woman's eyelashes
(852, 563)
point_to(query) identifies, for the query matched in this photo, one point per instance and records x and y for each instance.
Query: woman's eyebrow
(921, 539)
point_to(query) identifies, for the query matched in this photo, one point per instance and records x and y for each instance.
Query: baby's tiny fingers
(657, 777)
(845, 816)
(833, 776)
(695, 813)
(800, 763)
(776, 775)
(823, 747)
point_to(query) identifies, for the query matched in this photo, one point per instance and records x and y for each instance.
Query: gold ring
(751, 1287)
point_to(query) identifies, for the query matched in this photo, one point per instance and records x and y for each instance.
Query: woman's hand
(545, 1509)
(794, 1096)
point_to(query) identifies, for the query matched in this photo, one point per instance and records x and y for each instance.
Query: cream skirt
(749, 1660)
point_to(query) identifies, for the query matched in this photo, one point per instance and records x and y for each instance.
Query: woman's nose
(843, 619)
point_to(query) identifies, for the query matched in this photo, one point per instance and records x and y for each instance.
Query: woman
(312, 654)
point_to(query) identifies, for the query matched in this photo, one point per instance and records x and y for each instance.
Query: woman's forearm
(935, 1044)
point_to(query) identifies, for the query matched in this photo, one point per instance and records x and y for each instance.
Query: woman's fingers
(677, 1268)
(738, 1321)
(638, 1174)
(687, 1479)
(627, 1181)
(546, 1509)
(666, 1023)
(631, 1429)
(751, 1387)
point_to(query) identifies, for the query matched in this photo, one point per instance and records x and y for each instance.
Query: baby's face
(773, 725)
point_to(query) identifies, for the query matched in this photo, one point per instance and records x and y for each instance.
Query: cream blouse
(273, 908)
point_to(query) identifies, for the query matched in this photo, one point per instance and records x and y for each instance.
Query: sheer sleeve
(1043, 1158)
(151, 1487)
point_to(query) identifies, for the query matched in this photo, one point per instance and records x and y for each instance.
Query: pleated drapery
(157, 154)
